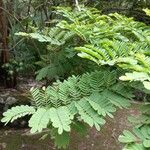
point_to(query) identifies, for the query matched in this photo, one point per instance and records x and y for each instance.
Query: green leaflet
(146, 143)
(141, 131)
(42, 73)
(17, 112)
(61, 140)
(123, 90)
(80, 128)
(135, 76)
(39, 120)
(72, 109)
(146, 108)
(146, 84)
(134, 147)
(127, 137)
(145, 130)
(116, 99)
(53, 97)
(147, 11)
(40, 97)
(89, 52)
(88, 114)
(60, 119)
(101, 104)
(55, 36)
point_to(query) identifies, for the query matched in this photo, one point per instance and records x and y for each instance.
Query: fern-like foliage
(139, 138)
(54, 36)
(107, 40)
(113, 40)
(17, 112)
(53, 61)
(88, 98)
(104, 39)
(76, 88)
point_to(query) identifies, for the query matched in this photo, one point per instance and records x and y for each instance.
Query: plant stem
(77, 5)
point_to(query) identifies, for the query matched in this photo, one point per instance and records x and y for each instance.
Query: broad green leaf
(39, 120)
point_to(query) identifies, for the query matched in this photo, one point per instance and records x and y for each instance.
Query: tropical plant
(125, 44)
(109, 40)
(113, 40)
(54, 61)
(65, 105)
(139, 138)
(59, 58)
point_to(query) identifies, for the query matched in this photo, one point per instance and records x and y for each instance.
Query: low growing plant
(114, 41)
(86, 99)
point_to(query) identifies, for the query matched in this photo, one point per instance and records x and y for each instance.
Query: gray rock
(10, 100)
(2, 101)
(5, 94)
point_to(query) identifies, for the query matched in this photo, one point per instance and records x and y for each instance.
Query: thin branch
(13, 17)
(28, 13)
(77, 5)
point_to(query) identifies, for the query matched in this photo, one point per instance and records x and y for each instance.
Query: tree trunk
(3, 32)
(3, 43)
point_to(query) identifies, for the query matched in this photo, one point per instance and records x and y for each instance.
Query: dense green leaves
(113, 40)
(102, 83)
(65, 105)
(141, 139)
